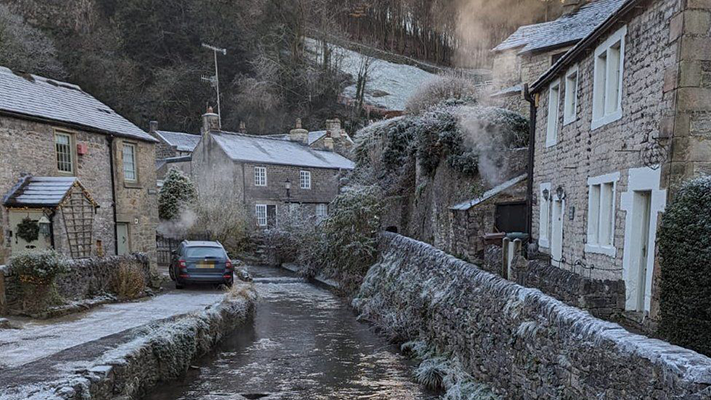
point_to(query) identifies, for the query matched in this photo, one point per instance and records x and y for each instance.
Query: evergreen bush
(177, 193)
(685, 251)
(39, 267)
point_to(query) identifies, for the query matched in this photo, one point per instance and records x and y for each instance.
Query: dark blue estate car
(201, 262)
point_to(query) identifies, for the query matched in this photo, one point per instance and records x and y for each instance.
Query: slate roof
(39, 191)
(35, 96)
(270, 150)
(489, 194)
(180, 140)
(313, 136)
(566, 30)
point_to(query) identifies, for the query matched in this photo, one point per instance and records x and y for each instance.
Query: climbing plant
(685, 251)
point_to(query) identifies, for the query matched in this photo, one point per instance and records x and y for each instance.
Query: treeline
(457, 33)
(144, 57)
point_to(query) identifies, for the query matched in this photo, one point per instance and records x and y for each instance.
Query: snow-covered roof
(35, 96)
(270, 150)
(509, 91)
(564, 31)
(180, 140)
(39, 191)
(313, 136)
(389, 84)
(489, 194)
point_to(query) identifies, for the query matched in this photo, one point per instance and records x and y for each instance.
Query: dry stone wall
(520, 341)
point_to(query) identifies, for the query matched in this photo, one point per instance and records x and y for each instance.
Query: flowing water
(305, 343)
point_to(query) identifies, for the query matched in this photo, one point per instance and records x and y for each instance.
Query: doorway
(122, 240)
(557, 232)
(642, 207)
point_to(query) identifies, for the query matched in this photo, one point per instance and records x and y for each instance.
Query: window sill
(132, 185)
(570, 121)
(550, 144)
(608, 119)
(604, 250)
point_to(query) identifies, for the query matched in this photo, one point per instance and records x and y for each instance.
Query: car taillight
(182, 265)
(228, 264)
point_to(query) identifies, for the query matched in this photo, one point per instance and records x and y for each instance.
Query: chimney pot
(152, 126)
(210, 122)
(333, 127)
(242, 127)
(298, 134)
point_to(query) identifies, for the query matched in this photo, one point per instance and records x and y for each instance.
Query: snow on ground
(389, 86)
(39, 339)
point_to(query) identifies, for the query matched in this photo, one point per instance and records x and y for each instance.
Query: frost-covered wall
(520, 341)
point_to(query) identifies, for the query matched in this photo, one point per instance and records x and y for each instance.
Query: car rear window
(204, 252)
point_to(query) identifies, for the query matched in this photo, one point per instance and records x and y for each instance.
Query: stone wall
(28, 148)
(85, 280)
(618, 148)
(519, 341)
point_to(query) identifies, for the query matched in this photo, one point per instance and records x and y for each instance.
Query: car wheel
(229, 283)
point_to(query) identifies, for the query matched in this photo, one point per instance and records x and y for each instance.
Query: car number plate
(206, 265)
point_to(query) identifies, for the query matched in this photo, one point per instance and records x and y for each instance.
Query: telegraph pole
(215, 80)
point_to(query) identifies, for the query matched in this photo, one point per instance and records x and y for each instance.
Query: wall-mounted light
(44, 226)
(546, 194)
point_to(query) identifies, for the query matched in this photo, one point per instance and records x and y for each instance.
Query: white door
(557, 233)
(122, 239)
(640, 234)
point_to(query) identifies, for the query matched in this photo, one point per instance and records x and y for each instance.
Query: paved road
(40, 339)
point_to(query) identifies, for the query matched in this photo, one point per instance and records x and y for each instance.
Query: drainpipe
(113, 190)
(531, 152)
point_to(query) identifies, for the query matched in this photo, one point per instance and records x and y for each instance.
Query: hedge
(685, 251)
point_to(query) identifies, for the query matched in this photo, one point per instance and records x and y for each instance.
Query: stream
(304, 343)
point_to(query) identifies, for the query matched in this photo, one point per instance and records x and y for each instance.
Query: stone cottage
(74, 174)
(532, 49)
(270, 175)
(173, 149)
(621, 117)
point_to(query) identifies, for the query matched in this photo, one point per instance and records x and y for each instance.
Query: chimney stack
(299, 134)
(333, 127)
(152, 126)
(328, 142)
(570, 6)
(210, 122)
(242, 127)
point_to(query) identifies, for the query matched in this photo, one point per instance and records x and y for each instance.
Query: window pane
(600, 85)
(606, 214)
(613, 80)
(129, 162)
(305, 179)
(594, 215)
(260, 176)
(553, 107)
(261, 211)
(64, 152)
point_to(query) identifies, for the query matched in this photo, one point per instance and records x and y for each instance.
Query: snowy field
(39, 339)
(389, 84)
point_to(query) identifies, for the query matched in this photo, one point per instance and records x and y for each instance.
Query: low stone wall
(86, 279)
(161, 353)
(602, 298)
(520, 341)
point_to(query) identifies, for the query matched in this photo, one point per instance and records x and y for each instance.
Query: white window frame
(598, 216)
(544, 219)
(68, 156)
(607, 109)
(305, 180)
(262, 220)
(260, 176)
(570, 105)
(321, 210)
(553, 113)
(133, 166)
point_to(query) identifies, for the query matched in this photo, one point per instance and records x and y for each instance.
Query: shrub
(128, 281)
(442, 88)
(39, 267)
(176, 194)
(685, 251)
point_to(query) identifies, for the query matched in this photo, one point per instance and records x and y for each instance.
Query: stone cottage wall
(28, 148)
(581, 152)
(520, 341)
